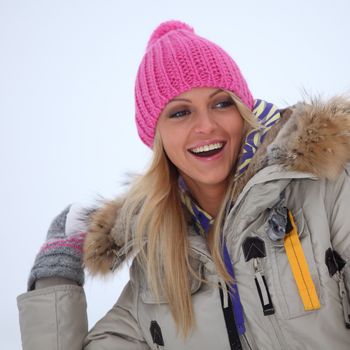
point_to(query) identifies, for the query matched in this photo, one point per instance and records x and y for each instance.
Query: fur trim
(312, 137)
(101, 246)
(316, 139)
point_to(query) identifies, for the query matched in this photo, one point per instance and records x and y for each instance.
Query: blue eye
(179, 114)
(224, 104)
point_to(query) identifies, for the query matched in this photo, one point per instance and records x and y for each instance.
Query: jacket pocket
(285, 287)
(155, 317)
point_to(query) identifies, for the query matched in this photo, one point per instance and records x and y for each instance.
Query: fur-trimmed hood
(311, 137)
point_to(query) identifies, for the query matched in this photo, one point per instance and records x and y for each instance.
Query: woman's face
(201, 131)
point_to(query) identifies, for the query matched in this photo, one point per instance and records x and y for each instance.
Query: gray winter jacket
(302, 164)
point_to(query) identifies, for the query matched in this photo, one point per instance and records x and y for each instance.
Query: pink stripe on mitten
(75, 242)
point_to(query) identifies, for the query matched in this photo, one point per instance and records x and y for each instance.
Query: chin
(212, 180)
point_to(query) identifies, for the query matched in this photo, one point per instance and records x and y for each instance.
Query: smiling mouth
(207, 150)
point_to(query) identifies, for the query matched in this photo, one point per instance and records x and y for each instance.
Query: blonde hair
(161, 222)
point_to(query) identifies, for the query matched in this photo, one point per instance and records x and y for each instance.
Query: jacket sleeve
(53, 318)
(338, 202)
(119, 329)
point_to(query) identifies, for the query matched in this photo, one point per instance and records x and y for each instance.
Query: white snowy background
(67, 133)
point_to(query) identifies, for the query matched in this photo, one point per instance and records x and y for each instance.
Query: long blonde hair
(161, 222)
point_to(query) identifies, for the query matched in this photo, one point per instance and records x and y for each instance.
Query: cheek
(172, 145)
(172, 151)
(237, 130)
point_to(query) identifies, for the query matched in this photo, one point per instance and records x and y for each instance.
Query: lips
(208, 150)
(207, 153)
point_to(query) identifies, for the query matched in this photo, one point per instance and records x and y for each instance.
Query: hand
(61, 254)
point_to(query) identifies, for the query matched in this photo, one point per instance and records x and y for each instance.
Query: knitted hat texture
(177, 60)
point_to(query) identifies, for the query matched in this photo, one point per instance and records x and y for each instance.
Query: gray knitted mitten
(61, 254)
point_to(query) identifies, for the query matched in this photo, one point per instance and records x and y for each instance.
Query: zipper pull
(344, 300)
(335, 264)
(254, 249)
(262, 288)
(156, 334)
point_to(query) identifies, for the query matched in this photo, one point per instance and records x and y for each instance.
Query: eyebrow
(216, 92)
(187, 100)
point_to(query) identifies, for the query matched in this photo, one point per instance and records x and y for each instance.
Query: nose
(204, 122)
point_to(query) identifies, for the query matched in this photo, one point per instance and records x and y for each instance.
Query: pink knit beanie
(177, 60)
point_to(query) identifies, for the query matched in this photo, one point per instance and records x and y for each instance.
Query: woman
(238, 232)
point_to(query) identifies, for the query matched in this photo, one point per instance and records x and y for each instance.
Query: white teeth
(207, 148)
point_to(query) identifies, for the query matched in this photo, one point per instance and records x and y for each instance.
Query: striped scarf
(267, 115)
